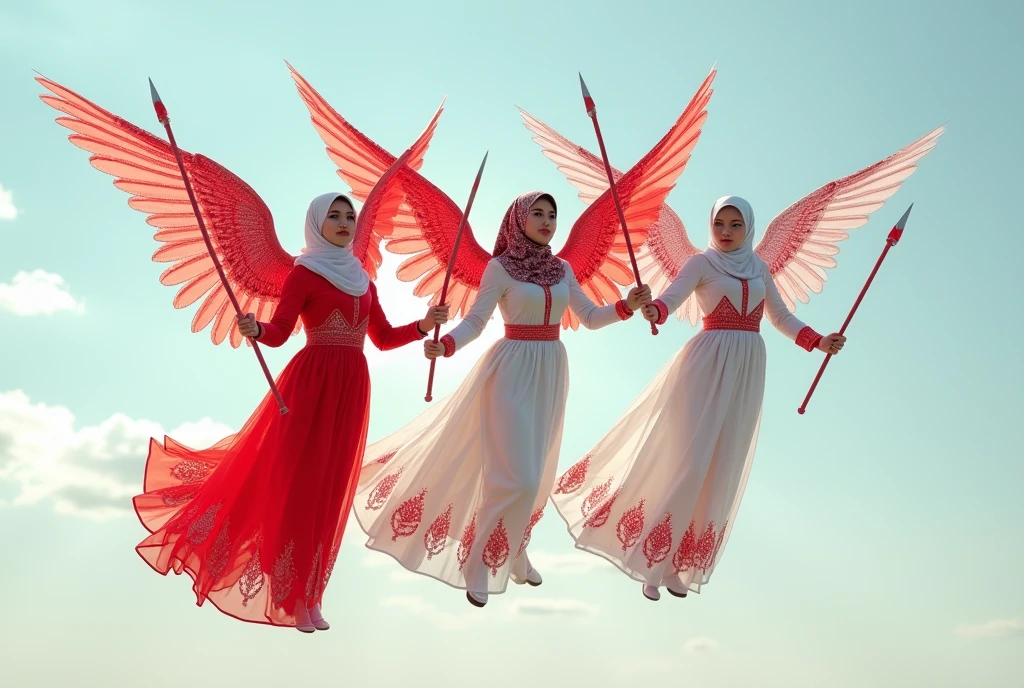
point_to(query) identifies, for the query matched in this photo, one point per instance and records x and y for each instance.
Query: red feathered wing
(800, 242)
(596, 249)
(240, 224)
(425, 225)
(360, 161)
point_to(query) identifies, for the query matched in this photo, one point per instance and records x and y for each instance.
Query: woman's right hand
(248, 326)
(432, 349)
(650, 312)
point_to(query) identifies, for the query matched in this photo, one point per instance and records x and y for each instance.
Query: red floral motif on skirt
(190, 471)
(537, 515)
(220, 550)
(658, 543)
(251, 582)
(466, 544)
(696, 553)
(497, 549)
(283, 574)
(630, 526)
(436, 536)
(386, 457)
(407, 517)
(597, 506)
(378, 497)
(573, 478)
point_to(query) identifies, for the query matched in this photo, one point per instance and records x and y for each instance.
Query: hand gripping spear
(161, 114)
(891, 240)
(588, 101)
(448, 274)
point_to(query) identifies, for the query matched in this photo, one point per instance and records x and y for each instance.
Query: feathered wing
(596, 248)
(360, 161)
(426, 222)
(240, 224)
(800, 242)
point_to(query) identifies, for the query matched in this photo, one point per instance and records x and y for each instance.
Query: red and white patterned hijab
(522, 258)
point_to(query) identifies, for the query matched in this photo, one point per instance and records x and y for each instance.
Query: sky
(875, 544)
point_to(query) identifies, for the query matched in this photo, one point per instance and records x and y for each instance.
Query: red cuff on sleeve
(662, 311)
(623, 311)
(808, 339)
(449, 345)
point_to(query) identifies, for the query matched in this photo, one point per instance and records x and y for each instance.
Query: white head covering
(742, 263)
(335, 264)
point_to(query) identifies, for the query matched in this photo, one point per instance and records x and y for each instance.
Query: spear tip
(158, 105)
(901, 225)
(897, 231)
(583, 86)
(153, 93)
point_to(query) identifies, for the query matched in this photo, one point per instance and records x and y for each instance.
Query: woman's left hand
(832, 344)
(638, 296)
(436, 315)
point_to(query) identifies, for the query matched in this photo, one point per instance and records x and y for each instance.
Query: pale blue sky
(879, 540)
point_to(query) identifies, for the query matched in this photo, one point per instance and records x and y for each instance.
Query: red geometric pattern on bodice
(726, 317)
(336, 330)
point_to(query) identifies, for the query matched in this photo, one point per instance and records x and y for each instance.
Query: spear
(890, 241)
(161, 115)
(448, 274)
(588, 101)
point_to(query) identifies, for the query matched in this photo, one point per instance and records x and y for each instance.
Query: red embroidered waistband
(731, 321)
(533, 333)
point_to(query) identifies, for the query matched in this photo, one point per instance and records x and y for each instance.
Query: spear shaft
(890, 241)
(588, 101)
(161, 114)
(448, 274)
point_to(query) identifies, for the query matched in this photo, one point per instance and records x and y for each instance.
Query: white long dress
(658, 495)
(455, 493)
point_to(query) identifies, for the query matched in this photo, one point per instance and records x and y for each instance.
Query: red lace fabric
(257, 519)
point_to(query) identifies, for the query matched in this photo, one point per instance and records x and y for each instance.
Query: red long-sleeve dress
(257, 519)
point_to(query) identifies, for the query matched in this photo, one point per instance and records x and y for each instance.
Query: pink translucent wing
(360, 161)
(425, 227)
(596, 248)
(240, 225)
(667, 248)
(800, 243)
(583, 169)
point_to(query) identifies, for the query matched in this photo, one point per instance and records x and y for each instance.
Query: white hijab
(335, 264)
(742, 263)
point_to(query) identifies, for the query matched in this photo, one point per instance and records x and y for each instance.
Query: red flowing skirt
(257, 519)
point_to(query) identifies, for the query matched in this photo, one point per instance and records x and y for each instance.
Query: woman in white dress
(455, 494)
(657, 494)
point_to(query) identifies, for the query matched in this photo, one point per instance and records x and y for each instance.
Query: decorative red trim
(623, 311)
(449, 345)
(808, 339)
(726, 317)
(662, 311)
(547, 303)
(532, 333)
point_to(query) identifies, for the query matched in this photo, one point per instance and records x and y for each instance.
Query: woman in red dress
(257, 519)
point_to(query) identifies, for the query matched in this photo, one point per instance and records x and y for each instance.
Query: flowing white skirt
(658, 495)
(455, 494)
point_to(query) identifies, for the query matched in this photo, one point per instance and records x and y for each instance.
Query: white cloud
(548, 607)
(93, 471)
(574, 563)
(995, 628)
(7, 209)
(700, 644)
(37, 292)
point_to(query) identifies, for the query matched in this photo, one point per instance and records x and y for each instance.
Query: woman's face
(728, 229)
(541, 222)
(339, 226)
